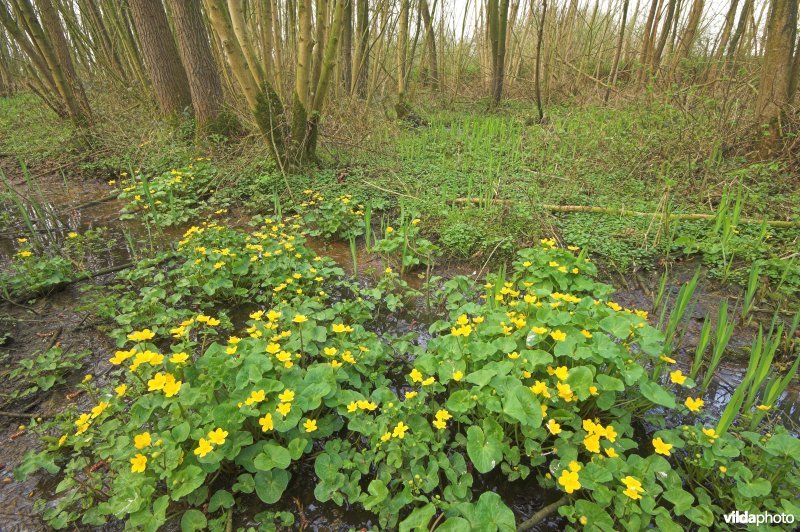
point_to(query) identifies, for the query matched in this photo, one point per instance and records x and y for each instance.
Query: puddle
(31, 328)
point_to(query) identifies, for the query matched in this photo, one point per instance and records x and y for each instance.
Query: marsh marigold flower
(694, 404)
(138, 463)
(569, 480)
(661, 447)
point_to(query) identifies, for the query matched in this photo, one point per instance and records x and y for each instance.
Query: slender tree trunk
(361, 72)
(402, 51)
(662, 39)
(160, 55)
(539, 40)
(198, 61)
(430, 44)
(347, 46)
(689, 34)
(645, 53)
(776, 69)
(612, 76)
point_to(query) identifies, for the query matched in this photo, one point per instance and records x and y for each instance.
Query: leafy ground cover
(243, 355)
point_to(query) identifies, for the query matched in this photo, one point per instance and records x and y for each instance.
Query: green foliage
(168, 198)
(29, 273)
(41, 372)
(541, 376)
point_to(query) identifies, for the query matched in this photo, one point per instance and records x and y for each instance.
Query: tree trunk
(430, 44)
(645, 53)
(160, 56)
(612, 76)
(402, 51)
(201, 70)
(776, 69)
(689, 34)
(539, 40)
(347, 46)
(498, 24)
(662, 39)
(361, 72)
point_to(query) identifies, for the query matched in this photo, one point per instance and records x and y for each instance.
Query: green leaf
(272, 457)
(220, 499)
(186, 481)
(656, 394)
(193, 520)
(521, 404)
(610, 383)
(485, 452)
(596, 517)
(418, 519)
(460, 401)
(701, 515)
(580, 378)
(489, 514)
(783, 445)
(270, 485)
(757, 488)
(682, 499)
(454, 524)
(378, 492)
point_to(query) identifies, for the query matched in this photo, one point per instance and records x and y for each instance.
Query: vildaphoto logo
(764, 518)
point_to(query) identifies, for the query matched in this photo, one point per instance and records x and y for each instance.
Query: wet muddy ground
(59, 319)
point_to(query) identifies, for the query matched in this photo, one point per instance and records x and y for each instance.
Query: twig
(542, 514)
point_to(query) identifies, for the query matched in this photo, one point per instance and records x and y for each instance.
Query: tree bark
(776, 69)
(430, 43)
(361, 72)
(160, 55)
(201, 70)
(347, 46)
(612, 76)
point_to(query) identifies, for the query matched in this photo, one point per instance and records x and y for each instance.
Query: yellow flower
(513, 356)
(203, 447)
(592, 443)
(458, 375)
(72, 235)
(611, 452)
(256, 315)
(138, 463)
(558, 336)
(667, 359)
(299, 318)
(172, 387)
(266, 422)
(565, 392)
(255, 397)
(586, 333)
(440, 424)
(179, 358)
(593, 390)
(763, 408)
(120, 357)
(121, 389)
(677, 377)
(711, 433)
(429, 381)
(539, 330)
(694, 404)
(284, 409)
(569, 481)
(140, 441)
(540, 388)
(336, 364)
(553, 427)
(415, 375)
(561, 373)
(723, 469)
(310, 425)
(287, 396)
(443, 414)
(633, 487)
(141, 336)
(341, 328)
(217, 437)
(390, 229)
(386, 436)
(24, 253)
(611, 434)
(157, 382)
(411, 395)
(400, 430)
(661, 447)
